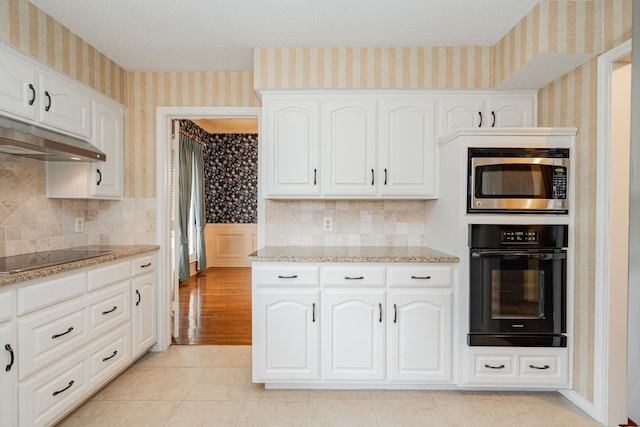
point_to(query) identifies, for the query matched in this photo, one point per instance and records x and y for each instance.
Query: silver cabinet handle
(539, 367)
(494, 367)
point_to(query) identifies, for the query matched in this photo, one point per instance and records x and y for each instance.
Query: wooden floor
(215, 307)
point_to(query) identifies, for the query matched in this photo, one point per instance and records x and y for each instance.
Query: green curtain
(191, 171)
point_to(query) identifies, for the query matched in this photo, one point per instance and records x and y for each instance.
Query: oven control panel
(520, 236)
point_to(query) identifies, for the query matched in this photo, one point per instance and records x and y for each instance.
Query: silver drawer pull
(53, 337)
(353, 278)
(539, 367)
(295, 276)
(115, 307)
(494, 367)
(421, 277)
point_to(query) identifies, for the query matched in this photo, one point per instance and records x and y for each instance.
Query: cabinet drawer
(539, 366)
(111, 308)
(421, 276)
(104, 276)
(286, 275)
(143, 265)
(495, 365)
(353, 275)
(48, 336)
(110, 357)
(33, 297)
(46, 397)
(6, 306)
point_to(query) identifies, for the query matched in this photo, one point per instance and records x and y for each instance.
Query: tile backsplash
(366, 222)
(30, 222)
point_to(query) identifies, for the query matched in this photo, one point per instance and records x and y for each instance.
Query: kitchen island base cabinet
(286, 335)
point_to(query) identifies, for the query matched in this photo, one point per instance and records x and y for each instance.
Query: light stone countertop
(117, 252)
(350, 254)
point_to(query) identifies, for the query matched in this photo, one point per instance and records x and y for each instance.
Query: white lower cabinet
(517, 366)
(144, 312)
(287, 335)
(420, 334)
(353, 329)
(8, 366)
(76, 332)
(359, 323)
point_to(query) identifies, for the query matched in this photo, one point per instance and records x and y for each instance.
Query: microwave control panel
(520, 236)
(559, 183)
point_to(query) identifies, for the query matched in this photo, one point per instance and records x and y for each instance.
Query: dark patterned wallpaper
(230, 175)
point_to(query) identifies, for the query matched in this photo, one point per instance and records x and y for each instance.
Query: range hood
(25, 140)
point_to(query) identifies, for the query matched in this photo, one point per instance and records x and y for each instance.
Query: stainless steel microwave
(518, 180)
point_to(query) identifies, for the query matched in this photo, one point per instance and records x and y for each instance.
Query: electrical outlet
(79, 225)
(327, 223)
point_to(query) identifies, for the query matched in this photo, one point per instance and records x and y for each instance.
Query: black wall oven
(517, 285)
(518, 180)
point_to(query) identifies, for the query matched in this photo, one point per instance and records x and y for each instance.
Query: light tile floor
(211, 386)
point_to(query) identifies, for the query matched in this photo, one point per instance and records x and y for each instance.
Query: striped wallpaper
(26, 27)
(148, 90)
(367, 68)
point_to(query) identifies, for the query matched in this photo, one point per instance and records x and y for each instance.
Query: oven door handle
(543, 256)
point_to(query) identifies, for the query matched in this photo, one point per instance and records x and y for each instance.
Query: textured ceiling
(198, 35)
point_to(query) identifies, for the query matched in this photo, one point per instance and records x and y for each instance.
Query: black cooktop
(20, 263)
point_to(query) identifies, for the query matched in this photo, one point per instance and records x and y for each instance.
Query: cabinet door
(509, 111)
(8, 375)
(460, 112)
(144, 313)
(64, 106)
(353, 335)
(292, 144)
(407, 148)
(420, 334)
(107, 136)
(285, 335)
(18, 86)
(349, 148)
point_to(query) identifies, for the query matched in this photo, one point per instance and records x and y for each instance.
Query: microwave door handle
(512, 255)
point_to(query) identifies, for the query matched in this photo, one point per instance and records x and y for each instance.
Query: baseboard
(582, 403)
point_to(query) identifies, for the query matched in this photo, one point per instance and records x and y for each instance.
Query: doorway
(168, 292)
(215, 301)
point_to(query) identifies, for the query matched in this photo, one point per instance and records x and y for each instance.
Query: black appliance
(517, 285)
(518, 180)
(19, 263)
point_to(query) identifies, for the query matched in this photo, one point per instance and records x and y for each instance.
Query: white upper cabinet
(19, 94)
(349, 147)
(372, 144)
(108, 134)
(64, 106)
(407, 147)
(491, 109)
(292, 134)
(30, 91)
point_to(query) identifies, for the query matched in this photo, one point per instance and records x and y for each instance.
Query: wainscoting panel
(227, 245)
